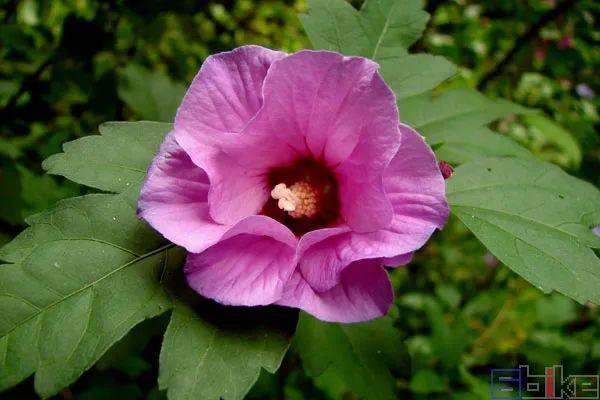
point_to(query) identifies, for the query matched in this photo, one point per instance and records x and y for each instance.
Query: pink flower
(290, 181)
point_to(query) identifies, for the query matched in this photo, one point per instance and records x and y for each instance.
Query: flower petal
(249, 266)
(416, 186)
(226, 93)
(417, 191)
(173, 199)
(364, 293)
(319, 102)
(323, 263)
(235, 192)
(326, 106)
(398, 261)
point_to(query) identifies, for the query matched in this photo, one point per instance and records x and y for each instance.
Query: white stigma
(299, 200)
(287, 200)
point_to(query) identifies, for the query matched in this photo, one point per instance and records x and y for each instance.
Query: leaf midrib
(505, 185)
(384, 30)
(528, 220)
(91, 284)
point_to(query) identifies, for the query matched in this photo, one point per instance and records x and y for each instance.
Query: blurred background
(68, 65)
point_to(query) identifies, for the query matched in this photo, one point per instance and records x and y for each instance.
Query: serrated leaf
(115, 160)
(335, 25)
(415, 73)
(90, 265)
(218, 352)
(535, 218)
(454, 123)
(151, 95)
(454, 110)
(392, 25)
(360, 357)
(84, 274)
(382, 31)
(41, 191)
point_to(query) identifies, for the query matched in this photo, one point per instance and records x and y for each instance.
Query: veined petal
(416, 189)
(364, 293)
(249, 266)
(226, 93)
(416, 186)
(328, 107)
(173, 199)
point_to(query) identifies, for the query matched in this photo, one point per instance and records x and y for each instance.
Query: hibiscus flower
(290, 180)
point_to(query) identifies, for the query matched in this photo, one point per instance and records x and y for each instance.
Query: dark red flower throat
(304, 196)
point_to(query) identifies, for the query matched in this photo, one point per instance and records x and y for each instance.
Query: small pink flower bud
(446, 169)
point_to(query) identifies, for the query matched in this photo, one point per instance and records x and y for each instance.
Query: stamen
(299, 200)
(287, 201)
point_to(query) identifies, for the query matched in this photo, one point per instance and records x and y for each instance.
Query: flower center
(300, 200)
(304, 196)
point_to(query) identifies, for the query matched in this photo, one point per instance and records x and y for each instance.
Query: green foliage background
(67, 66)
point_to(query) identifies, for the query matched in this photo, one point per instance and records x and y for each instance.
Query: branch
(529, 35)
(26, 84)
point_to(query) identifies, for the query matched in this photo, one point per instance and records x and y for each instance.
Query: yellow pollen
(299, 200)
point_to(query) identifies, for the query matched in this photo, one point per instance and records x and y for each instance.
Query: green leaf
(535, 218)
(9, 149)
(136, 340)
(555, 310)
(113, 161)
(480, 389)
(558, 136)
(24, 193)
(84, 274)
(448, 340)
(428, 381)
(454, 110)
(87, 271)
(454, 123)
(382, 31)
(414, 74)
(14, 147)
(335, 25)
(41, 191)
(151, 95)
(217, 352)
(457, 147)
(392, 25)
(361, 357)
